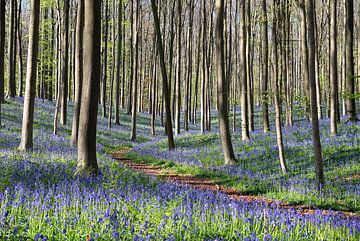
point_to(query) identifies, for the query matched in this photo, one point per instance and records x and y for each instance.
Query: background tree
(29, 101)
(2, 48)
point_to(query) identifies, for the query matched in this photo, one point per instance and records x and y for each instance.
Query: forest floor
(197, 183)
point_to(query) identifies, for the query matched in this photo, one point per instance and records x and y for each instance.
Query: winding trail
(209, 185)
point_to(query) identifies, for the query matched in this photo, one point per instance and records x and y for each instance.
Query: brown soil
(209, 185)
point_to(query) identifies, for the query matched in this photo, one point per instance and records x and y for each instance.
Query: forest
(179, 120)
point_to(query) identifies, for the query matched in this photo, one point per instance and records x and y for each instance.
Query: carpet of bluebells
(258, 169)
(41, 199)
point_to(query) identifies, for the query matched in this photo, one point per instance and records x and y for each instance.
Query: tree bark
(243, 75)
(30, 88)
(349, 60)
(65, 63)
(333, 69)
(265, 56)
(178, 74)
(279, 137)
(11, 50)
(2, 48)
(319, 176)
(87, 161)
(78, 71)
(222, 85)
(164, 76)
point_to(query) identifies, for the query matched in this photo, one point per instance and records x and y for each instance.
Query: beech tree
(334, 108)
(31, 71)
(222, 86)
(2, 48)
(87, 161)
(160, 47)
(78, 71)
(320, 180)
(349, 60)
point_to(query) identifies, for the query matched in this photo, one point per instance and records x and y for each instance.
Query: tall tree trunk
(65, 63)
(349, 60)
(279, 137)
(320, 181)
(87, 161)
(113, 64)
(222, 85)
(135, 70)
(265, 56)
(20, 50)
(333, 68)
(11, 50)
(105, 63)
(118, 65)
(78, 71)
(305, 57)
(243, 76)
(164, 76)
(2, 48)
(30, 88)
(178, 74)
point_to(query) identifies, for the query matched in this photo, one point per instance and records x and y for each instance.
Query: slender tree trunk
(243, 76)
(65, 63)
(178, 82)
(265, 56)
(320, 181)
(164, 76)
(20, 50)
(29, 101)
(135, 70)
(305, 57)
(87, 161)
(118, 66)
(333, 68)
(113, 64)
(2, 48)
(105, 63)
(78, 71)
(349, 60)
(11, 52)
(279, 136)
(222, 85)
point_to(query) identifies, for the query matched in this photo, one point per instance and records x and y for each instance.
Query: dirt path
(207, 184)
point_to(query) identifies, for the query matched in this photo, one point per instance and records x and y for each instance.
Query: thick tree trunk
(87, 161)
(78, 71)
(222, 85)
(29, 101)
(333, 69)
(320, 181)
(164, 76)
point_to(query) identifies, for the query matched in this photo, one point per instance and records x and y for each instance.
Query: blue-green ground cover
(41, 199)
